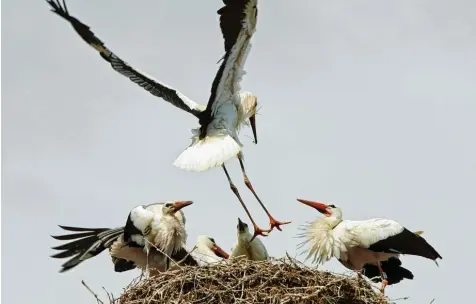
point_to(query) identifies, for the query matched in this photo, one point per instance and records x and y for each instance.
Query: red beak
(181, 204)
(322, 208)
(220, 252)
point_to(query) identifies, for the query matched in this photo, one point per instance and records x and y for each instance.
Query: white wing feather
(368, 232)
(233, 71)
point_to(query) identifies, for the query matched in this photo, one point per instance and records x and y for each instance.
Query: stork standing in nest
(206, 252)
(247, 247)
(370, 245)
(228, 109)
(127, 245)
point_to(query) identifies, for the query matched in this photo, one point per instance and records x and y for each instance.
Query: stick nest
(282, 280)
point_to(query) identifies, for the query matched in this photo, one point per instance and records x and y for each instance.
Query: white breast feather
(324, 243)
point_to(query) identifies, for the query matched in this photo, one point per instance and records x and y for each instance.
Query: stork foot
(384, 284)
(259, 231)
(274, 223)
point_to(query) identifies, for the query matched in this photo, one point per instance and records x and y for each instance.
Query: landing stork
(229, 108)
(126, 246)
(368, 245)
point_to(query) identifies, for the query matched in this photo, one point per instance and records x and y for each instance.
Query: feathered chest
(168, 235)
(323, 243)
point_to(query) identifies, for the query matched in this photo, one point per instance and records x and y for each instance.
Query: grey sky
(368, 105)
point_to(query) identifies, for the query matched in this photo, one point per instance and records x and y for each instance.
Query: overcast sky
(369, 105)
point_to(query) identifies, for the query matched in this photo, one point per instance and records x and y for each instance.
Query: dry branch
(282, 280)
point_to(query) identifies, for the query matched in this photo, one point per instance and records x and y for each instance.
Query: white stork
(363, 245)
(126, 244)
(163, 231)
(205, 253)
(208, 252)
(229, 108)
(247, 247)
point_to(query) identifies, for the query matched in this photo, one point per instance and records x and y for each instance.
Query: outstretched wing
(155, 87)
(238, 24)
(85, 244)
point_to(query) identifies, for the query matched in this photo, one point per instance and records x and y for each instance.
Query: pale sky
(369, 105)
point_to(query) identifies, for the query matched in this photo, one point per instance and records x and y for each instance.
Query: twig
(162, 253)
(92, 292)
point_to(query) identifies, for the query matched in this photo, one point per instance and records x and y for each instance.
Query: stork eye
(332, 206)
(168, 205)
(212, 240)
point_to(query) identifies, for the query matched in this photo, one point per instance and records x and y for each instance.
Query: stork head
(327, 210)
(241, 227)
(171, 207)
(247, 111)
(209, 243)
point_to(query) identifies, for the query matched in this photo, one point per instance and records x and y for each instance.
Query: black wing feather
(154, 87)
(406, 242)
(231, 23)
(184, 257)
(392, 268)
(231, 16)
(85, 245)
(129, 230)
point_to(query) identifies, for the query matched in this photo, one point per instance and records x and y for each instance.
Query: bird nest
(282, 280)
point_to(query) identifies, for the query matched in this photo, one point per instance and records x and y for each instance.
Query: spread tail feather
(210, 152)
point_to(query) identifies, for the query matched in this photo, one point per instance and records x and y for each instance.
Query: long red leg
(258, 230)
(384, 277)
(272, 221)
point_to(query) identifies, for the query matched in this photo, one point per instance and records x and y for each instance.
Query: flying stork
(229, 108)
(247, 247)
(127, 245)
(369, 245)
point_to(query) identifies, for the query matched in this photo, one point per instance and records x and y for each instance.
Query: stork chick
(366, 244)
(246, 246)
(206, 252)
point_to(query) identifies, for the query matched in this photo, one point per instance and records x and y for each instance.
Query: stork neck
(246, 105)
(320, 237)
(244, 237)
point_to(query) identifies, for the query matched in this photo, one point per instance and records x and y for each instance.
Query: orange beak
(253, 127)
(322, 208)
(220, 252)
(181, 204)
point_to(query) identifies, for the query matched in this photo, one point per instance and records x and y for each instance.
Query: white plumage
(127, 244)
(208, 252)
(216, 140)
(212, 151)
(161, 230)
(247, 248)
